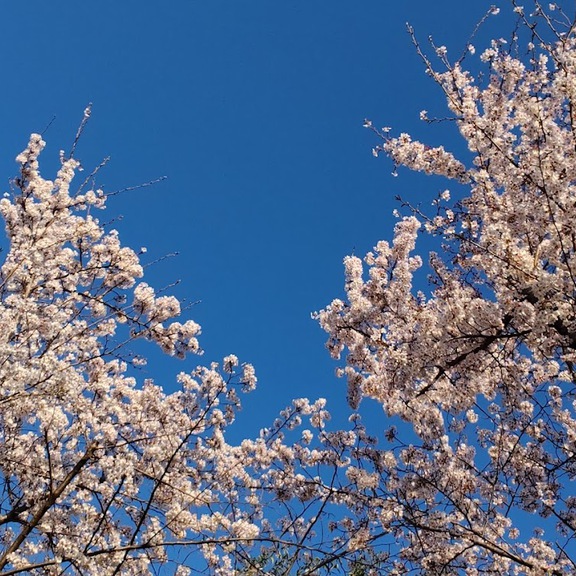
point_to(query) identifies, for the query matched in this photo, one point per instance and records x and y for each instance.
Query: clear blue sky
(254, 111)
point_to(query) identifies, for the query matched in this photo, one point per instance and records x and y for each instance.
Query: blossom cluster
(480, 364)
(101, 473)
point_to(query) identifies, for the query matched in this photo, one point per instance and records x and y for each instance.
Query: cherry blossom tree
(104, 473)
(96, 471)
(479, 364)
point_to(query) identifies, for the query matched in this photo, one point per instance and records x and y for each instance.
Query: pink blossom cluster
(481, 364)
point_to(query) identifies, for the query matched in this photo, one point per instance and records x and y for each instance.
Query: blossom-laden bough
(482, 367)
(98, 474)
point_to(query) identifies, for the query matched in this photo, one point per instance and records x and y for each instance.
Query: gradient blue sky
(254, 111)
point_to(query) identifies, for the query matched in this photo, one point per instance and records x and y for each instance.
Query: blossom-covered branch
(481, 365)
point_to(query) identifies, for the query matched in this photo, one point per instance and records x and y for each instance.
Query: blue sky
(254, 112)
